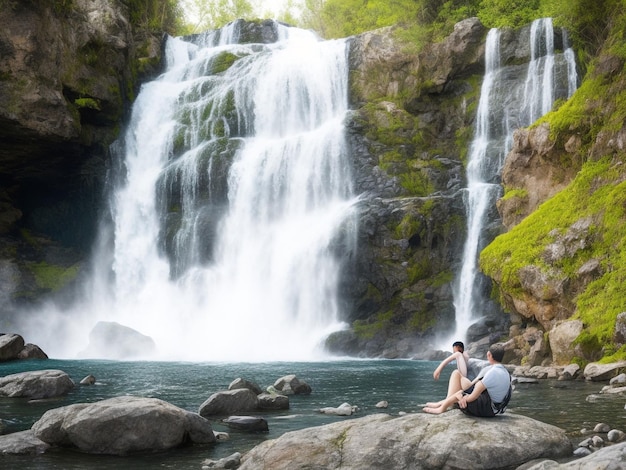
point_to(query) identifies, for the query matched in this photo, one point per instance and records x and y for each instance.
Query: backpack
(500, 407)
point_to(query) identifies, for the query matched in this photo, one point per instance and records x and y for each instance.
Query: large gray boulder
(229, 402)
(122, 425)
(415, 441)
(36, 384)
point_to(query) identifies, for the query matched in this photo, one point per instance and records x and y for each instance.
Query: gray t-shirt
(497, 381)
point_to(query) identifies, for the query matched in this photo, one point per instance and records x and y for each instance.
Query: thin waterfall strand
(503, 107)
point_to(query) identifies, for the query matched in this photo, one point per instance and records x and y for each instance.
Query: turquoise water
(404, 384)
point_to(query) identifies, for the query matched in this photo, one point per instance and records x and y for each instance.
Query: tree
(203, 15)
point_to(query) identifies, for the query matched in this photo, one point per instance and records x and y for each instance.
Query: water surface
(405, 384)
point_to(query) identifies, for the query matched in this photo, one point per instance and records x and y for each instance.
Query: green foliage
(156, 15)
(416, 183)
(598, 192)
(213, 14)
(368, 329)
(508, 13)
(88, 103)
(342, 18)
(421, 321)
(223, 62)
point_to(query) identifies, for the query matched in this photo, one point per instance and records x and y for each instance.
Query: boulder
(32, 351)
(10, 346)
(273, 401)
(111, 340)
(291, 385)
(452, 440)
(229, 402)
(232, 461)
(243, 383)
(607, 458)
(122, 425)
(247, 423)
(596, 372)
(36, 384)
(345, 409)
(561, 338)
(88, 380)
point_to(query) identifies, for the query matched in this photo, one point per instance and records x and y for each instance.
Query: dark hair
(497, 352)
(459, 344)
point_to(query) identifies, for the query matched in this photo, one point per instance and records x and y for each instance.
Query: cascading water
(505, 104)
(235, 210)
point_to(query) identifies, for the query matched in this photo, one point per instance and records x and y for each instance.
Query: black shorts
(480, 407)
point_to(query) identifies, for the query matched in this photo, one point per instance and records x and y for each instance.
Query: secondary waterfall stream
(508, 101)
(232, 210)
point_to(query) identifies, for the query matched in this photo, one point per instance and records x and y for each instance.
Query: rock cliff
(67, 74)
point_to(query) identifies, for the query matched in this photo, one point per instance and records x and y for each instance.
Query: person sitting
(485, 396)
(459, 355)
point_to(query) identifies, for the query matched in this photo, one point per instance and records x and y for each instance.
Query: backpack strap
(500, 407)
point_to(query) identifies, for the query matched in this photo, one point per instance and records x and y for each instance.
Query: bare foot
(433, 404)
(433, 410)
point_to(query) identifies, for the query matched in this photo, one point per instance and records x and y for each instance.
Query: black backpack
(500, 407)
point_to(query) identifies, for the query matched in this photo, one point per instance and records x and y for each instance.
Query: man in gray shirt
(482, 396)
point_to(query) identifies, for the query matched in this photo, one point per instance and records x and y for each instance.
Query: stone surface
(67, 75)
(229, 402)
(36, 384)
(607, 458)
(419, 441)
(23, 442)
(603, 372)
(122, 425)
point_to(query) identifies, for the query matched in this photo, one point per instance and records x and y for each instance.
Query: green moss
(422, 321)
(222, 62)
(515, 194)
(88, 103)
(416, 183)
(51, 277)
(598, 192)
(367, 329)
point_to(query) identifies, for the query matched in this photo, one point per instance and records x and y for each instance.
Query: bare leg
(457, 382)
(445, 404)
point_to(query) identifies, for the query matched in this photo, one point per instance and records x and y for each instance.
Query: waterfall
(507, 102)
(233, 212)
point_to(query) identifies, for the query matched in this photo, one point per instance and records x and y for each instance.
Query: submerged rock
(452, 440)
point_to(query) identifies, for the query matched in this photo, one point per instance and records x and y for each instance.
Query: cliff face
(560, 267)
(67, 75)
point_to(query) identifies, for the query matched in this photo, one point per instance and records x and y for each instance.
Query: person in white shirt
(484, 395)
